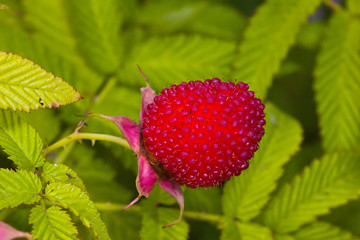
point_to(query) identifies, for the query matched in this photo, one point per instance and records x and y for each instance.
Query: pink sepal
(148, 95)
(174, 190)
(146, 177)
(127, 126)
(8, 233)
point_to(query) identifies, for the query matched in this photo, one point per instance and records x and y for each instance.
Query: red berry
(202, 133)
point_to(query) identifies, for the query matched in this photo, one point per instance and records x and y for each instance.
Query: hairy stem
(90, 136)
(188, 214)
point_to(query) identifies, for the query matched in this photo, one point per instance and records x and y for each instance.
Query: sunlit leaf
(61, 173)
(51, 223)
(77, 201)
(20, 141)
(20, 187)
(25, 86)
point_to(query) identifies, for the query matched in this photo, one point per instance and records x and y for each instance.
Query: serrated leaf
(20, 187)
(177, 59)
(329, 182)
(267, 40)
(97, 24)
(20, 141)
(235, 230)
(155, 218)
(323, 231)
(244, 196)
(25, 86)
(52, 223)
(61, 173)
(337, 84)
(77, 201)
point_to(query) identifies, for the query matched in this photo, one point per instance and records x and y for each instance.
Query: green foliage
(77, 201)
(322, 231)
(191, 57)
(25, 86)
(96, 24)
(234, 230)
(245, 196)
(259, 59)
(61, 173)
(20, 141)
(21, 187)
(51, 223)
(287, 55)
(339, 61)
(328, 182)
(155, 218)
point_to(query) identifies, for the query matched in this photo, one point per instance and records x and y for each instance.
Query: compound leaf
(329, 182)
(267, 40)
(244, 196)
(20, 187)
(25, 86)
(77, 201)
(52, 223)
(337, 84)
(20, 141)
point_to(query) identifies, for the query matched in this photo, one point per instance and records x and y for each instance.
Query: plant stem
(90, 136)
(188, 214)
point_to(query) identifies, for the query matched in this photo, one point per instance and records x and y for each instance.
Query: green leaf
(235, 230)
(322, 231)
(177, 59)
(192, 17)
(20, 187)
(50, 25)
(77, 201)
(61, 173)
(329, 182)
(20, 141)
(52, 223)
(244, 196)
(337, 84)
(50, 57)
(267, 40)
(97, 25)
(156, 217)
(25, 86)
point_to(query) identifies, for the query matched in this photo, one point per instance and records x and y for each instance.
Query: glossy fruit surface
(202, 133)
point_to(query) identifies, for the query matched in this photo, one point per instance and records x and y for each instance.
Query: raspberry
(200, 134)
